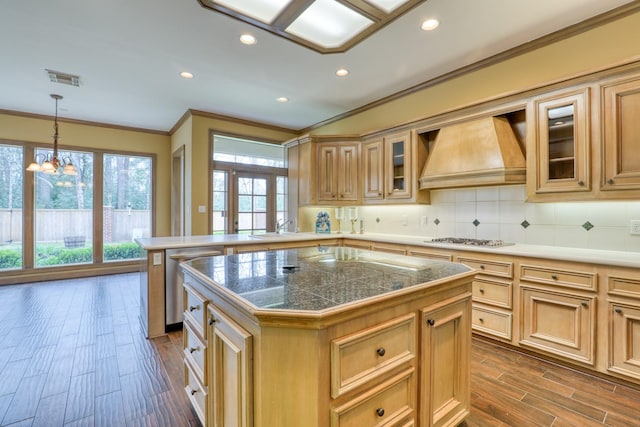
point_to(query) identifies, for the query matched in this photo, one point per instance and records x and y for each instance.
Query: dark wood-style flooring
(72, 354)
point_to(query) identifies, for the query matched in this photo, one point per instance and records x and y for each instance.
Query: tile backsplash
(501, 213)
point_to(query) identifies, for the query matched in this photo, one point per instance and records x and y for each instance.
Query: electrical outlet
(634, 227)
(157, 259)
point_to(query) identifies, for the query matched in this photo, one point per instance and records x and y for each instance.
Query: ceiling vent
(64, 78)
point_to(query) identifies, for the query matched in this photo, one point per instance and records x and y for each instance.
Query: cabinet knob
(618, 310)
(212, 321)
(193, 392)
(585, 304)
(381, 351)
(380, 412)
(481, 291)
(581, 183)
(610, 181)
(481, 266)
(193, 349)
(379, 194)
(481, 320)
(554, 277)
(194, 307)
(431, 322)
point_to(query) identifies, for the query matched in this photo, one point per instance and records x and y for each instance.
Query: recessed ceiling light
(342, 72)
(186, 75)
(247, 39)
(282, 99)
(430, 24)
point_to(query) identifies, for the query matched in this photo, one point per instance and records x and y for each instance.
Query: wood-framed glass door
(254, 197)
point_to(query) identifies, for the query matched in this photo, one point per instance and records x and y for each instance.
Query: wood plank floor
(72, 354)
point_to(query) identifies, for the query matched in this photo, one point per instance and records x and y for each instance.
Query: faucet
(280, 227)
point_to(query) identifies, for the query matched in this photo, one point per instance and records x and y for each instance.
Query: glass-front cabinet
(561, 149)
(398, 167)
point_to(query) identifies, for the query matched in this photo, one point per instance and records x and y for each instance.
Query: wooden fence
(53, 225)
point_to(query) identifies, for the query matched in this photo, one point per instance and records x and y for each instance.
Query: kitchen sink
(273, 235)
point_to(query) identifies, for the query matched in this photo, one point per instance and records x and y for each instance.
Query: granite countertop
(316, 279)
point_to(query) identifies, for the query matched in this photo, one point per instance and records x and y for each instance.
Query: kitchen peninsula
(327, 336)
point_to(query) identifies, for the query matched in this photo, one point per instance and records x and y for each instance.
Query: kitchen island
(327, 336)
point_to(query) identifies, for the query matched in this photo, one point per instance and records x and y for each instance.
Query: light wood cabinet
(446, 357)
(620, 148)
(559, 144)
(390, 164)
(373, 170)
(623, 313)
(337, 178)
(230, 374)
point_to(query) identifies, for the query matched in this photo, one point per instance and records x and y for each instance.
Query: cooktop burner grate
(471, 242)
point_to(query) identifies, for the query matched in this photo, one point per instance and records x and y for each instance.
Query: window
(11, 193)
(249, 186)
(126, 205)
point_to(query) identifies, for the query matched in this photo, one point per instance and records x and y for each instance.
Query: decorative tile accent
(525, 224)
(437, 221)
(587, 226)
(476, 222)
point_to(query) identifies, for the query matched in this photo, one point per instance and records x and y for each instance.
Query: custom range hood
(475, 153)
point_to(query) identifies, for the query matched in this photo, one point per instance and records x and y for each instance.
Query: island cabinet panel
(230, 373)
(445, 363)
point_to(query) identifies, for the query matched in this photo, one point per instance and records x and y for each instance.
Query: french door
(254, 203)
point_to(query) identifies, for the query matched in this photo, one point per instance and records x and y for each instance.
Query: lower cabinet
(624, 357)
(230, 372)
(559, 323)
(445, 366)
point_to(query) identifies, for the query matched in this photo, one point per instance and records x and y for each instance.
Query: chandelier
(53, 164)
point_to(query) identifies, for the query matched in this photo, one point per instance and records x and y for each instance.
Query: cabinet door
(348, 172)
(230, 373)
(624, 340)
(620, 149)
(446, 358)
(373, 166)
(327, 172)
(562, 143)
(559, 323)
(398, 167)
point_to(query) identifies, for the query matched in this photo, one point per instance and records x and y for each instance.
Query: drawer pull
(618, 310)
(194, 307)
(380, 412)
(554, 277)
(481, 320)
(481, 291)
(381, 351)
(581, 183)
(194, 391)
(431, 322)
(585, 304)
(193, 349)
(610, 181)
(481, 266)
(212, 321)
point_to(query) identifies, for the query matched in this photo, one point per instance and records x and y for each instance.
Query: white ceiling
(128, 54)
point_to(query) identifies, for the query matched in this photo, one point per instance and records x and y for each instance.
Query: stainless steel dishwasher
(173, 281)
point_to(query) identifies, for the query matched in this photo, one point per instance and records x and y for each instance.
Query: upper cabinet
(389, 165)
(621, 135)
(338, 172)
(559, 144)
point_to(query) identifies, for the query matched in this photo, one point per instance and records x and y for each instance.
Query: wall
(183, 136)
(37, 130)
(500, 212)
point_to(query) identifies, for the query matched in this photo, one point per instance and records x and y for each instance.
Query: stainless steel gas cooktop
(471, 242)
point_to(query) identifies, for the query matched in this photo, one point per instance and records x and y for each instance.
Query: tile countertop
(319, 278)
(594, 256)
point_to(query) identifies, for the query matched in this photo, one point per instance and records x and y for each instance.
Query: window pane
(244, 204)
(220, 194)
(245, 186)
(126, 208)
(64, 214)
(237, 150)
(260, 203)
(260, 187)
(244, 221)
(11, 184)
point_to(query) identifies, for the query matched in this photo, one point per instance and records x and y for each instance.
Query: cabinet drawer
(196, 393)
(489, 267)
(364, 355)
(195, 305)
(558, 277)
(624, 286)
(388, 404)
(194, 351)
(431, 255)
(492, 292)
(492, 322)
(392, 249)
